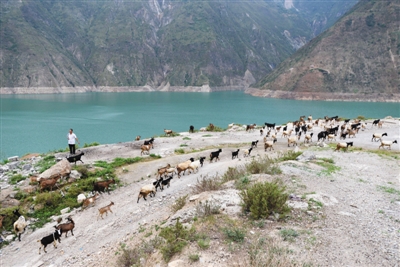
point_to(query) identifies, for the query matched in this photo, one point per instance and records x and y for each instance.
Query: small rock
(14, 158)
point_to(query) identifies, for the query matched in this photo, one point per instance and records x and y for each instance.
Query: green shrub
(48, 199)
(187, 138)
(289, 155)
(45, 163)
(234, 174)
(194, 257)
(82, 169)
(130, 257)
(179, 203)
(264, 199)
(176, 238)
(263, 165)
(242, 183)
(180, 151)
(20, 195)
(16, 178)
(207, 208)
(289, 234)
(91, 144)
(207, 184)
(234, 234)
(155, 156)
(203, 243)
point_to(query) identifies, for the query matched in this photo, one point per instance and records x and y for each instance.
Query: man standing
(71, 141)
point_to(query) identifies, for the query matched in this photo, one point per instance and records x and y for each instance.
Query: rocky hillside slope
(357, 58)
(346, 208)
(159, 44)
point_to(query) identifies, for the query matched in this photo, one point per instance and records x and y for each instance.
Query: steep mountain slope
(155, 43)
(359, 55)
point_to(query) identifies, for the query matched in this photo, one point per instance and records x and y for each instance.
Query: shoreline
(316, 96)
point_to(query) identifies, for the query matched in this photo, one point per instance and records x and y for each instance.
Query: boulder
(81, 198)
(75, 174)
(14, 158)
(61, 168)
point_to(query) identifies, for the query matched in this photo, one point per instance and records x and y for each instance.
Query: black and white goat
(52, 238)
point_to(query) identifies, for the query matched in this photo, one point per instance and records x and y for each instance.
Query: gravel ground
(359, 225)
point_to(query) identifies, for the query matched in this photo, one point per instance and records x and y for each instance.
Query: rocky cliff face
(358, 56)
(62, 44)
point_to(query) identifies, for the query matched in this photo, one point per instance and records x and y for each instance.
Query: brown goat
(2, 216)
(48, 183)
(145, 148)
(162, 170)
(65, 227)
(105, 209)
(101, 186)
(90, 200)
(168, 132)
(137, 138)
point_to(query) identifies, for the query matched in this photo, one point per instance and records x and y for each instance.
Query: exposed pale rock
(62, 168)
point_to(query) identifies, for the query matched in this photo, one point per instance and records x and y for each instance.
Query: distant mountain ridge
(356, 59)
(158, 44)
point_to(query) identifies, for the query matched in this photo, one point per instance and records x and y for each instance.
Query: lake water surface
(40, 123)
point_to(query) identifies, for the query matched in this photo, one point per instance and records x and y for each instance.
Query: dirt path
(361, 225)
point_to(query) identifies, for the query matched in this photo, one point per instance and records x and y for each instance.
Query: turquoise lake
(40, 123)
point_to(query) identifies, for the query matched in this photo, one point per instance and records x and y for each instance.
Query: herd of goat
(333, 128)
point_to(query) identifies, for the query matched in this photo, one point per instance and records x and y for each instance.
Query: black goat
(191, 129)
(235, 154)
(261, 132)
(166, 182)
(201, 159)
(304, 129)
(322, 135)
(52, 238)
(375, 122)
(215, 155)
(343, 135)
(75, 158)
(355, 125)
(270, 125)
(158, 184)
(149, 142)
(254, 144)
(333, 130)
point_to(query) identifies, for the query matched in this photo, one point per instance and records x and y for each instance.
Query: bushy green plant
(83, 170)
(45, 163)
(289, 155)
(48, 199)
(180, 151)
(16, 178)
(242, 183)
(130, 257)
(207, 184)
(179, 203)
(263, 165)
(155, 156)
(235, 234)
(91, 144)
(194, 257)
(263, 199)
(234, 174)
(207, 208)
(176, 238)
(289, 234)
(203, 243)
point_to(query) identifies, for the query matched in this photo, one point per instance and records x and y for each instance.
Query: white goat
(20, 226)
(387, 143)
